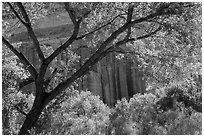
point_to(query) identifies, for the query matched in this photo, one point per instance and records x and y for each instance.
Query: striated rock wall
(114, 79)
(111, 78)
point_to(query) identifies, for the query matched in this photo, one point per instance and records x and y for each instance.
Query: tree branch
(25, 82)
(30, 31)
(16, 14)
(113, 48)
(129, 19)
(130, 12)
(70, 12)
(21, 111)
(24, 13)
(150, 34)
(22, 58)
(84, 15)
(65, 45)
(84, 35)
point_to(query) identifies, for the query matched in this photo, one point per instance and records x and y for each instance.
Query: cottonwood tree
(110, 25)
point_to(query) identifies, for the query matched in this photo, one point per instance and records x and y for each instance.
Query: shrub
(140, 115)
(81, 113)
(134, 117)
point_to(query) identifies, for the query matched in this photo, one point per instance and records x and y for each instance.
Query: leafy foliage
(84, 113)
(81, 113)
(172, 56)
(141, 116)
(13, 99)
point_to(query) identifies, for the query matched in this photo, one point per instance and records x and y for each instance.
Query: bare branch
(129, 19)
(70, 12)
(30, 30)
(130, 12)
(64, 46)
(16, 14)
(84, 35)
(84, 15)
(22, 58)
(113, 48)
(21, 111)
(25, 82)
(150, 34)
(24, 13)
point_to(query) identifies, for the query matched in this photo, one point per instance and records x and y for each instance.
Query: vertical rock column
(107, 82)
(139, 82)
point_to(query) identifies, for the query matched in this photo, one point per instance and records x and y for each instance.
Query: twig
(150, 34)
(25, 82)
(84, 35)
(21, 111)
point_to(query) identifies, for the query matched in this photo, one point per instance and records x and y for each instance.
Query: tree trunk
(33, 115)
(31, 119)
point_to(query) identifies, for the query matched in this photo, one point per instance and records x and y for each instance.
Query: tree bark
(31, 119)
(36, 109)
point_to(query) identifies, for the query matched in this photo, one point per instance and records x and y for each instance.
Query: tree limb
(84, 15)
(113, 48)
(16, 14)
(25, 82)
(130, 12)
(30, 31)
(22, 58)
(84, 35)
(150, 34)
(65, 45)
(19, 110)
(129, 19)
(70, 12)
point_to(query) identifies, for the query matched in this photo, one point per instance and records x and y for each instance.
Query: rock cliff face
(111, 78)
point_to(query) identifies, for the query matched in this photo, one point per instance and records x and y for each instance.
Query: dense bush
(136, 116)
(15, 106)
(81, 113)
(142, 115)
(84, 113)
(14, 102)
